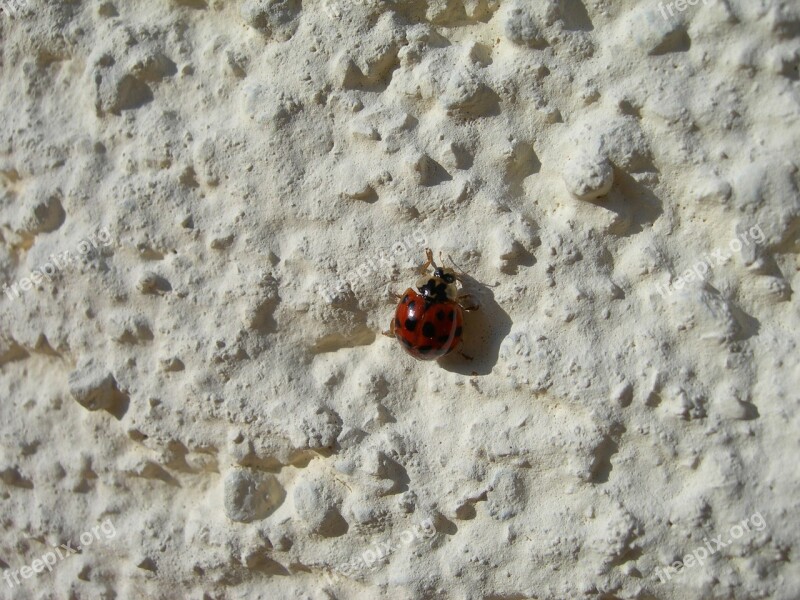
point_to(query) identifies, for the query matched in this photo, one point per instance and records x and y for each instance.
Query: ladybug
(429, 322)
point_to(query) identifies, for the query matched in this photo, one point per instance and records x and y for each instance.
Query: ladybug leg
(389, 333)
(428, 262)
(461, 352)
(467, 303)
(458, 349)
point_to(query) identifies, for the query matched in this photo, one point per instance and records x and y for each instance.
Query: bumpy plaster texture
(206, 207)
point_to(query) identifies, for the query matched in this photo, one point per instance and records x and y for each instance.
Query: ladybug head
(440, 286)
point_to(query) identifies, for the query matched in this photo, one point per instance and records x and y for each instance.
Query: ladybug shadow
(484, 331)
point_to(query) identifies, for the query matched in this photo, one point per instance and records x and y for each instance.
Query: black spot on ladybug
(428, 330)
(411, 324)
(458, 331)
(451, 315)
(411, 306)
(424, 349)
(440, 315)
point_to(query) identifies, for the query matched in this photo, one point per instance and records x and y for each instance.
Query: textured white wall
(240, 188)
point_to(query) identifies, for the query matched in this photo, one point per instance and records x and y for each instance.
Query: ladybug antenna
(460, 274)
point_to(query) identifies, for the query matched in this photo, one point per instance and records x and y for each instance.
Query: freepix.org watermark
(371, 558)
(368, 269)
(13, 7)
(718, 256)
(49, 559)
(710, 547)
(58, 262)
(678, 6)
(333, 8)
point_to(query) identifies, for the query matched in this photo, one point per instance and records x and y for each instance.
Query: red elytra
(427, 330)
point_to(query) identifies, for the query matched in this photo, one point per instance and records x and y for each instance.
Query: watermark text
(718, 256)
(710, 547)
(58, 262)
(49, 559)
